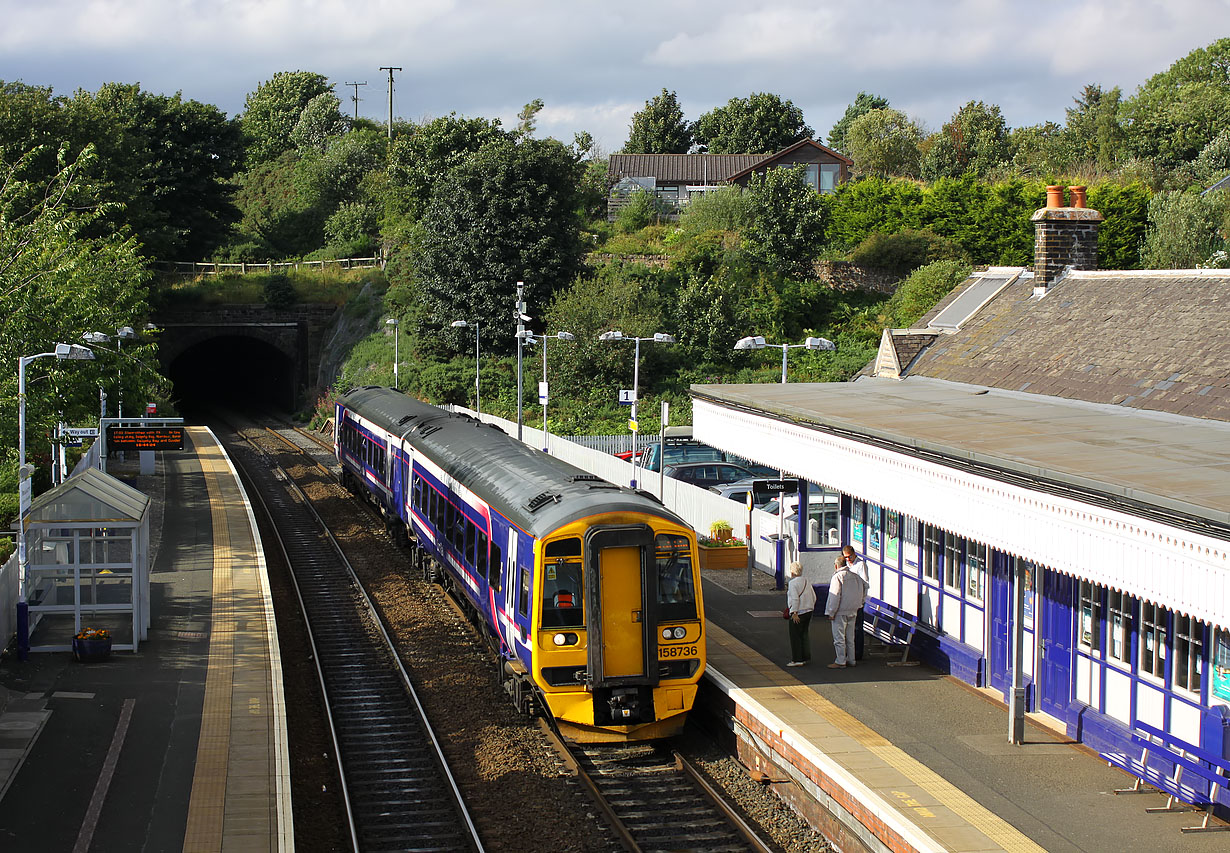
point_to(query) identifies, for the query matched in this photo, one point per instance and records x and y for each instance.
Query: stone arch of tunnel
(235, 371)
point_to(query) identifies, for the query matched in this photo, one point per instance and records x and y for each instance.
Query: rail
(197, 268)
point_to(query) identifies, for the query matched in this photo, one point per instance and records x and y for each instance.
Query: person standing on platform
(847, 592)
(856, 565)
(801, 601)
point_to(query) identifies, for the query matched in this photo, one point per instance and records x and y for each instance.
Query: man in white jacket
(847, 593)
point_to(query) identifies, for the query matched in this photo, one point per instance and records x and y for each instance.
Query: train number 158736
(665, 652)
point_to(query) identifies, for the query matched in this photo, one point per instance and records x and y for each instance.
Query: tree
(974, 140)
(659, 128)
(56, 282)
(320, 122)
(1177, 112)
(787, 222)
(1184, 230)
(883, 143)
(275, 108)
(758, 124)
(421, 157)
(1093, 133)
(527, 119)
(167, 161)
(863, 104)
(505, 214)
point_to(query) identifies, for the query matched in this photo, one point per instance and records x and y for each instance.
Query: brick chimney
(1064, 236)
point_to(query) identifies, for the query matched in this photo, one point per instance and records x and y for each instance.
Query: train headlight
(565, 639)
(680, 632)
(667, 633)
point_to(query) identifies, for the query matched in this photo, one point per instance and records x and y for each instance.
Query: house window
(1152, 639)
(811, 174)
(1119, 625)
(1188, 651)
(1091, 617)
(830, 173)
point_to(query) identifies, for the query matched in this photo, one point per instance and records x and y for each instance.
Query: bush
(906, 250)
(919, 293)
(279, 292)
(726, 209)
(642, 209)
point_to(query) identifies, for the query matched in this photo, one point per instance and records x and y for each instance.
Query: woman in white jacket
(801, 599)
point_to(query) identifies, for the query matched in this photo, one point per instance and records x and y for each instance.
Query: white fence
(211, 268)
(8, 600)
(698, 507)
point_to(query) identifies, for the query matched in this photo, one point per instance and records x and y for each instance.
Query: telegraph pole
(355, 97)
(390, 69)
(520, 316)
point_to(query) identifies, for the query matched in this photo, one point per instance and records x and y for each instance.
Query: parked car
(705, 474)
(737, 491)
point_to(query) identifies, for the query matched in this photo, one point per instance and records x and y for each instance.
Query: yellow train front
(589, 591)
(619, 642)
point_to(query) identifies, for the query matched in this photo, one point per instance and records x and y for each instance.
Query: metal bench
(1212, 770)
(891, 627)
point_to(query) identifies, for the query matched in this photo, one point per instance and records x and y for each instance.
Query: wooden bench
(1212, 770)
(891, 627)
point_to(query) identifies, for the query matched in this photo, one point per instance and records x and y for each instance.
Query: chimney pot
(1078, 196)
(1054, 196)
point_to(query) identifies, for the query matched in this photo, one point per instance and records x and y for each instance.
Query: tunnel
(235, 372)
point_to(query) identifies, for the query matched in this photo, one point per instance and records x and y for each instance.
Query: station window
(910, 535)
(1119, 625)
(563, 593)
(1091, 616)
(1152, 639)
(932, 549)
(676, 580)
(953, 546)
(1188, 652)
(892, 537)
(975, 571)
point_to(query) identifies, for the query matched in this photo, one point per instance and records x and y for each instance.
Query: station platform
(183, 745)
(899, 758)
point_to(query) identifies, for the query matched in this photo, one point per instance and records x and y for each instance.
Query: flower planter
(729, 557)
(91, 649)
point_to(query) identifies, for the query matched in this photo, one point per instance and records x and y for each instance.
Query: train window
(523, 605)
(1188, 652)
(563, 594)
(676, 580)
(471, 538)
(480, 557)
(1152, 639)
(493, 571)
(457, 529)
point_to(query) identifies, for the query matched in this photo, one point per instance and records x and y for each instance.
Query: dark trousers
(800, 643)
(860, 636)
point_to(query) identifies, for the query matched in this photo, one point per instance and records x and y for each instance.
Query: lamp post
(123, 333)
(62, 352)
(464, 324)
(657, 338)
(543, 391)
(757, 342)
(392, 321)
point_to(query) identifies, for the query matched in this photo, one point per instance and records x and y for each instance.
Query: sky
(595, 64)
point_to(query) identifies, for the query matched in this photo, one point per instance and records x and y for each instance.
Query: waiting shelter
(88, 546)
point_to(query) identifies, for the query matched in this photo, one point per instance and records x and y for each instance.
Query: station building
(1059, 437)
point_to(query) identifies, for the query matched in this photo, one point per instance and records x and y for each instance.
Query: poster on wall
(873, 532)
(891, 534)
(1221, 666)
(856, 523)
(1028, 573)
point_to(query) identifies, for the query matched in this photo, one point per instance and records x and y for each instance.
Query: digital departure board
(145, 438)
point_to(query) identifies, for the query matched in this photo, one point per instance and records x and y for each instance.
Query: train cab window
(676, 580)
(563, 593)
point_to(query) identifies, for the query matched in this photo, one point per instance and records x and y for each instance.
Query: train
(589, 591)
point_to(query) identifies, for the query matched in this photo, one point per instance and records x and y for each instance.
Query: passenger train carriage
(589, 591)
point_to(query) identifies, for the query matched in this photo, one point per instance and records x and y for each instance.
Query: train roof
(535, 491)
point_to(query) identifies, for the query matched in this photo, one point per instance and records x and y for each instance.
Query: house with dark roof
(1037, 477)
(678, 178)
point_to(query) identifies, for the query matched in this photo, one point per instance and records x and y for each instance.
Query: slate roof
(682, 168)
(1149, 339)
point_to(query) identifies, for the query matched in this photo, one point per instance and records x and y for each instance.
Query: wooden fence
(212, 268)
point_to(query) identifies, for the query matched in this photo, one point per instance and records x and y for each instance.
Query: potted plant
(92, 644)
(720, 530)
(728, 553)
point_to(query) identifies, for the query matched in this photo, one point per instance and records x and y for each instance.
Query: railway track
(399, 791)
(657, 801)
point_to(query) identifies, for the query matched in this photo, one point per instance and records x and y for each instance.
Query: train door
(1055, 676)
(512, 583)
(621, 606)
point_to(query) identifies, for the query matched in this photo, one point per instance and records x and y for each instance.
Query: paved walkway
(183, 745)
(920, 760)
